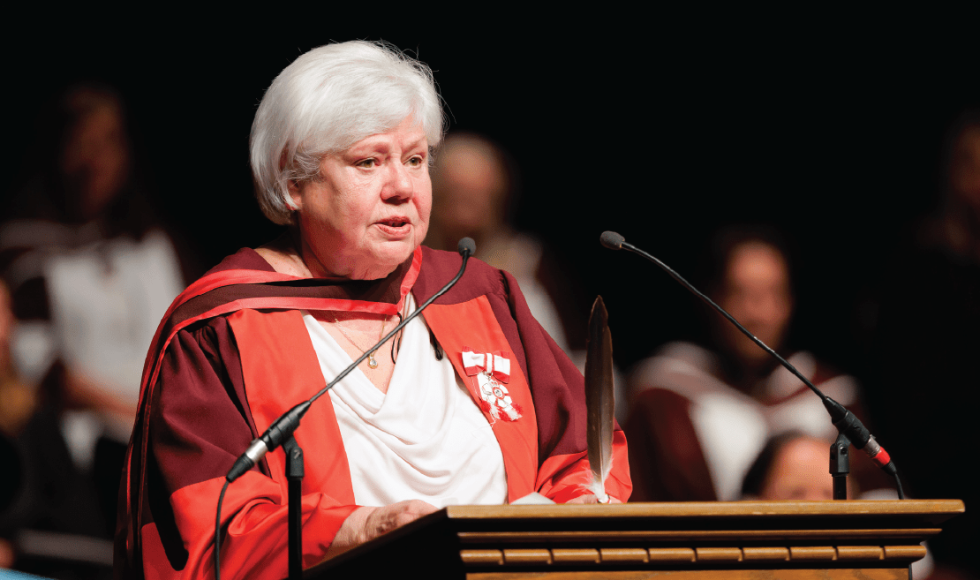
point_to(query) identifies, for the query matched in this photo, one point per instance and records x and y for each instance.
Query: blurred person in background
(926, 343)
(48, 507)
(700, 416)
(17, 403)
(791, 466)
(90, 271)
(475, 184)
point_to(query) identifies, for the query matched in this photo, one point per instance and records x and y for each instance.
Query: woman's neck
(283, 256)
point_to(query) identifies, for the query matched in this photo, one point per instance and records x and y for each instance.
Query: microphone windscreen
(612, 240)
(466, 245)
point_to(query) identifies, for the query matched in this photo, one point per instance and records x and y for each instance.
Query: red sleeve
(558, 389)
(199, 424)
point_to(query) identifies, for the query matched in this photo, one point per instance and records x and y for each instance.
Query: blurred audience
(17, 404)
(926, 345)
(791, 466)
(90, 271)
(17, 398)
(699, 415)
(41, 489)
(474, 186)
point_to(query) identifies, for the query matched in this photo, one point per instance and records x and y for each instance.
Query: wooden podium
(738, 540)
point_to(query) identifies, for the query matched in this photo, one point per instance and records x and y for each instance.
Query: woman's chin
(382, 261)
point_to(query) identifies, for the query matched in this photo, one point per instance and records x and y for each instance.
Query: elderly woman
(341, 146)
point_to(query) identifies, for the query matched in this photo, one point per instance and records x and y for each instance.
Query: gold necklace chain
(372, 362)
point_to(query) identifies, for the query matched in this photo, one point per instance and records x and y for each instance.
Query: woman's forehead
(408, 134)
(756, 260)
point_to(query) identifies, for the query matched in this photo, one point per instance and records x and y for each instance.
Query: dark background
(829, 126)
(832, 131)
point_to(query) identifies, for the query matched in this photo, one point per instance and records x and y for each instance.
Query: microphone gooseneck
(283, 427)
(845, 421)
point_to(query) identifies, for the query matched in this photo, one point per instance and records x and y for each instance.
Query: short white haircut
(325, 101)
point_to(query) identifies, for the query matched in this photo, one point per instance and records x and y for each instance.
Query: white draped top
(425, 439)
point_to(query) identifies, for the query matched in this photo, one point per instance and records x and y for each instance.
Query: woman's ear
(295, 198)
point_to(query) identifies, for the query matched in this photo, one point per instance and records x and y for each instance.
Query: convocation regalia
(233, 354)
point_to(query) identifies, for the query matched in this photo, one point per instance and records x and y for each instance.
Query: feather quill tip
(597, 486)
(599, 491)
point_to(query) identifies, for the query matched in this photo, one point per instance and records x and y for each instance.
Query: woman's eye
(416, 161)
(367, 163)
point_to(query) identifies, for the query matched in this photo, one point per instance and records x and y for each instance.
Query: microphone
(466, 245)
(845, 421)
(612, 240)
(283, 427)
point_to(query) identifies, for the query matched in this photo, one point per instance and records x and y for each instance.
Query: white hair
(325, 101)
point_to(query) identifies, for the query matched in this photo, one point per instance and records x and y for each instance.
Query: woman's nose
(400, 186)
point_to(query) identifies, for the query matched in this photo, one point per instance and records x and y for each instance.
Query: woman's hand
(367, 523)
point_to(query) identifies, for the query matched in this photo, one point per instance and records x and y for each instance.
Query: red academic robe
(233, 354)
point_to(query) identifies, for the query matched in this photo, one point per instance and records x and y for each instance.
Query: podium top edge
(740, 509)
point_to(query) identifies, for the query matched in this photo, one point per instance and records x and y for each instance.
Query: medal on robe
(492, 371)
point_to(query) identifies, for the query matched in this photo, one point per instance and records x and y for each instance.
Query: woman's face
(95, 160)
(799, 472)
(757, 293)
(369, 208)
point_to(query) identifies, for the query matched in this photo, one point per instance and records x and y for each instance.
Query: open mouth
(395, 225)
